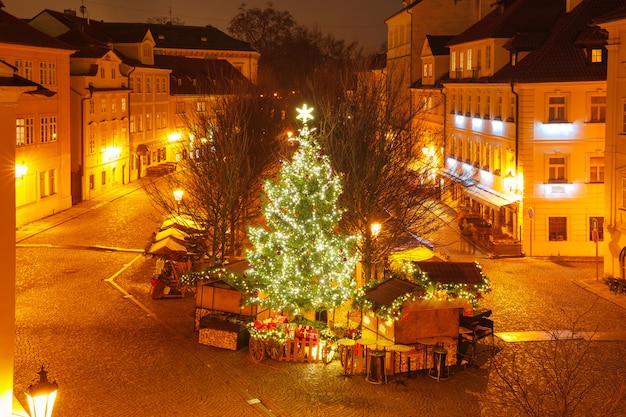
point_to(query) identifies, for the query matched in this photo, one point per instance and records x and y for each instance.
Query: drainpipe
(516, 152)
(516, 124)
(81, 169)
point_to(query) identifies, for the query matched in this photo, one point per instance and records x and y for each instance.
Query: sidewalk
(601, 289)
(30, 229)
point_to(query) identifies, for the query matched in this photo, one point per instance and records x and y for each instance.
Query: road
(83, 310)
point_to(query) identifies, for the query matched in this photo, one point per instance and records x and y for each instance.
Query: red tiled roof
(562, 56)
(212, 76)
(518, 17)
(16, 31)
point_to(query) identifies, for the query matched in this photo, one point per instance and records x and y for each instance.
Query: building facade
(615, 154)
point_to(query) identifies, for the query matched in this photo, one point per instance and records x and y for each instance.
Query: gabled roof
(512, 17)
(618, 14)
(165, 36)
(88, 47)
(563, 56)
(385, 293)
(15, 31)
(452, 272)
(193, 37)
(438, 44)
(200, 76)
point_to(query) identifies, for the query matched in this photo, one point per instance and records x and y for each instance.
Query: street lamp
(178, 196)
(41, 395)
(375, 227)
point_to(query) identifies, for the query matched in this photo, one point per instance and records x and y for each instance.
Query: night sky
(351, 20)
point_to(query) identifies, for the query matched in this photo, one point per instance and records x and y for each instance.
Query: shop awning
(489, 198)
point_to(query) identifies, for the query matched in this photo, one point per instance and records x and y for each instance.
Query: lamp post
(41, 395)
(178, 196)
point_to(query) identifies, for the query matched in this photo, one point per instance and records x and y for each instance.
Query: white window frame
(556, 168)
(596, 169)
(555, 105)
(597, 109)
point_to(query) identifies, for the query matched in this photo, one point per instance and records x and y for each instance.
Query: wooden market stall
(422, 315)
(222, 314)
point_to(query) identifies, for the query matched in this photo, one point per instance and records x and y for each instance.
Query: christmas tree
(300, 261)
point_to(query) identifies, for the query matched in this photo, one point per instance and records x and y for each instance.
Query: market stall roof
(388, 291)
(185, 223)
(166, 246)
(419, 253)
(452, 272)
(171, 232)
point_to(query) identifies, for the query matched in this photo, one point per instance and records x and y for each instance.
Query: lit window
(48, 129)
(596, 169)
(461, 59)
(488, 57)
(20, 132)
(92, 107)
(103, 105)
(425, 73)
(201, 106)
(453, 61)
(597, 109)
(596, 55)
(123, 104)
(148, 85)
(556, 109)
(557, 228)
(556, 169)
(469, 60)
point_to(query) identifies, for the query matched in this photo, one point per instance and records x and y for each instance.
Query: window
(139, 123)
(478, 58)
(148, 121)
(48, 73)
(92, 182)
(42, 184)
(148, 85)
(158, 120)
(201, 106)
(425, 73)
(596, 223)
(498, 115)
(596, 169)
(461, 60)
(557, 228)
(469, 65)
(453, 61)
(103, 180)
(92, 107)
(131, 84)
(20, 132)
(556, 109)
(487, 109)
(623, 193)
(597, 109)
(103, 105)
(511, 117)
(48, 131)
(132, 124)
(113, 74)
(556, 169)
(92, 142)
(24, 69)
(113, 107)
(596, 55)
(102, 72)
(139, 84)
(488, 57)
(123, 104)
(497, 160)
(477, 106)
(164, 120)
(52, 188)
(624, 117)
(180, 107)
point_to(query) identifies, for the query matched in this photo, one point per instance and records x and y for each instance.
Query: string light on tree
(300, 262)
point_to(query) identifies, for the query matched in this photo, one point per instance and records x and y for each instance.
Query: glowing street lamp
(178, 196)
(41, 395)
(375, 227)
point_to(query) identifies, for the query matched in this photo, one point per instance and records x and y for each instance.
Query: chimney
(69, 12)
(570, 4)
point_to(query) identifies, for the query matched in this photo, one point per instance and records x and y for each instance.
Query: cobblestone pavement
(83, 310)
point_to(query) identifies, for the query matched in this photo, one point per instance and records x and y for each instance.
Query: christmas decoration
(300, 261)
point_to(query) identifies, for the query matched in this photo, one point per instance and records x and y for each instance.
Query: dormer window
(596, 55)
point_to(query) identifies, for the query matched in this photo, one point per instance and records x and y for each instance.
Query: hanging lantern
(41, 395)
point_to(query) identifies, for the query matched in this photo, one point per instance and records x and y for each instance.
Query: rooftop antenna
(171, 22)
(82, 8)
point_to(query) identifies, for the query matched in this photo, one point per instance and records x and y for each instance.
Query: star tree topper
(304, 113)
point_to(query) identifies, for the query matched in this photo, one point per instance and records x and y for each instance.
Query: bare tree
(563, 376)
(365, 128)
(234, 145)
